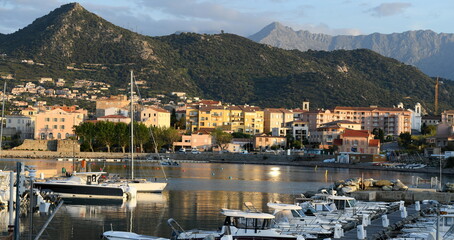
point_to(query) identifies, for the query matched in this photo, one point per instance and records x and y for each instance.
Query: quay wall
(409, 196)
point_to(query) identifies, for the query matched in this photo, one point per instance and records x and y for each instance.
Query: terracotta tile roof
(159, 109)
(355, 133)
(278, 110)
(374, 142)
(371, 109)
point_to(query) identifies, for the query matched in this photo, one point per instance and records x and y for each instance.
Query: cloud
(389, 9)
(15, 14)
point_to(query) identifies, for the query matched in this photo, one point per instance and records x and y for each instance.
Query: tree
(404, 139)
(87, 132)
(105, 133)
(141, 134)
(379, 134)
(123, 137)
(241, 135)
(173, 118)
(165, 136)
(221, 138)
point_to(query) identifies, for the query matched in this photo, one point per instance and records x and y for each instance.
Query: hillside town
(356, 129)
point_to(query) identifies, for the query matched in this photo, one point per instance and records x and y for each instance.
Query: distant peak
(72, 7)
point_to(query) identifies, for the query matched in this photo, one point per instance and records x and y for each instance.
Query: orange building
(360, 141)
(264, 141)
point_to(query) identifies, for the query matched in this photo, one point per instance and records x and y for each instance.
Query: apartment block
(276, 120)
(393, 121)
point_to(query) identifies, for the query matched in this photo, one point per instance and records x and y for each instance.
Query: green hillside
(222, 66)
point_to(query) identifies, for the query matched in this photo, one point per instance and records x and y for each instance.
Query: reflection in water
(194, 196)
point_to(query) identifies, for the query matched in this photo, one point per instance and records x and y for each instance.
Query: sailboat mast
(132, 127)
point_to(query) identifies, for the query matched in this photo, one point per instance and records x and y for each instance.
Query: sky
(246, 17)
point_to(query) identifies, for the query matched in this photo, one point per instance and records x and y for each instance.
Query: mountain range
(73, 43)
(432, 53)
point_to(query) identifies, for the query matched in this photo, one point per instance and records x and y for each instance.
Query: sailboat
(141, 185)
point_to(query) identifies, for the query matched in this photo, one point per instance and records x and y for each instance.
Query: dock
(376, 230)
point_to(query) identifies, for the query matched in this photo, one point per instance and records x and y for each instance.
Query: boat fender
(88, 180)
(93, 178)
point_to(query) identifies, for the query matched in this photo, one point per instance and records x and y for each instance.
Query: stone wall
(38, 145)
(65, 145)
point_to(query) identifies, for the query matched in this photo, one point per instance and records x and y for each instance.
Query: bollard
(385, 220)
(403, 213)
(360, 232)
(338, 231)
(417, 206)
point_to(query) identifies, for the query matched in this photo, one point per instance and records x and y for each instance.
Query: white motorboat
(120, 235)
(238, 225)
(86, 185)
(290, 218)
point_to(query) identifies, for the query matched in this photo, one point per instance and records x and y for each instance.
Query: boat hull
(150, 187)
(83, 191)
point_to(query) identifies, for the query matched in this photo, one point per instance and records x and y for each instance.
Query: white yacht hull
(151, 187)
(119, 235)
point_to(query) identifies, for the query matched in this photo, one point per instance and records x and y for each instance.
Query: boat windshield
(298, 213)
(251, 223)
(352, 203)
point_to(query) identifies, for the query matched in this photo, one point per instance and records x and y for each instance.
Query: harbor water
(194, 196)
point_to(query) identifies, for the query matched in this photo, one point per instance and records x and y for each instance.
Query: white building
(24, 125)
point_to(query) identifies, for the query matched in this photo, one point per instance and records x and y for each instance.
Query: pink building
(200, 140)
(393, 121)
(57, 123)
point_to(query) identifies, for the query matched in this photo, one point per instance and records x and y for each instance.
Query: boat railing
(175, 226)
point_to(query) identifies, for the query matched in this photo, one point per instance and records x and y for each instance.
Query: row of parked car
(193, 150)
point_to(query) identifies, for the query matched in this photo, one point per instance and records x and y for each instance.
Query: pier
(376, 230)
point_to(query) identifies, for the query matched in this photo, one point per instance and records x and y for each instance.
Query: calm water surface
(194, 196)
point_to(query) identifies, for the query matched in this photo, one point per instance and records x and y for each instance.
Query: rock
(382, 183)
(368, 183)
(399, 186)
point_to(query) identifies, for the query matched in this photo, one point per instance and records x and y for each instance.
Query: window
(46, 126)
(55, 127)
(59, 136)
(62, 120)
(55, 119)
(62, 126)
(47, 119)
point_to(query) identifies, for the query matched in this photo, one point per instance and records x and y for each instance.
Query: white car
(195, 151)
